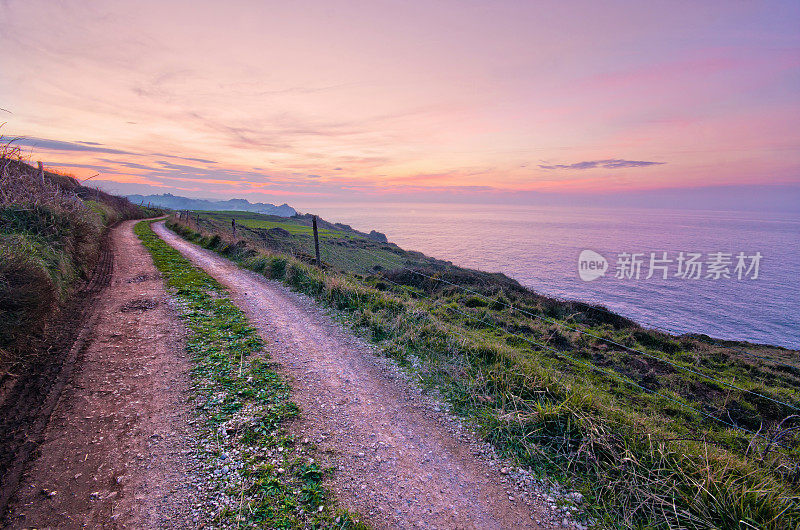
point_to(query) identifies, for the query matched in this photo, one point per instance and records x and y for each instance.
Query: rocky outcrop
(377, 236)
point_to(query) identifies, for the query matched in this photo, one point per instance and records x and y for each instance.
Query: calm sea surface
(540, 246)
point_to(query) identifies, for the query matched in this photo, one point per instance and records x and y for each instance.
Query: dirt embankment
(398, 460)
(117, 450)
(30, 388)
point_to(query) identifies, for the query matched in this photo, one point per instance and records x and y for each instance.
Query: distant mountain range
(174, 202)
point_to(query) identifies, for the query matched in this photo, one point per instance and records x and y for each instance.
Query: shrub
(27, 291)
(278, 268)
(214, 242)
(475, 301)
(259, 263)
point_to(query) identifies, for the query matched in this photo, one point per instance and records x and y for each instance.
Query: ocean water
(540, 247)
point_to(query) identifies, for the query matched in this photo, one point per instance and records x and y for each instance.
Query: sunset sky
(315, 101)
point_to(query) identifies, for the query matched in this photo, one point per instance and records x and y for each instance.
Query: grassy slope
(576, 412)
(50, 234)
(272, 480)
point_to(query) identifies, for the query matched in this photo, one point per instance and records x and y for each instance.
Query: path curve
(398, 463)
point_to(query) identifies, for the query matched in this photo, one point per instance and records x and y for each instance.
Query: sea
(730, 275)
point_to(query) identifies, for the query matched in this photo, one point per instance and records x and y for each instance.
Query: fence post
(41, 172)
(316, 241)
(233, 226)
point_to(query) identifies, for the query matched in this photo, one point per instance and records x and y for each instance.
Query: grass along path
(265, 476)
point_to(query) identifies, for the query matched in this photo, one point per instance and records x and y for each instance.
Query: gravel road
(400, 461)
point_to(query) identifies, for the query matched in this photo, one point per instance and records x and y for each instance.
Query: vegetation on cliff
(656, 430)
(51, 231)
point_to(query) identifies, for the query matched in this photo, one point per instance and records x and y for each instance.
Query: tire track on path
(398, 463)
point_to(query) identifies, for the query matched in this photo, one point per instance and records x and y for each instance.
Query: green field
(266, 222)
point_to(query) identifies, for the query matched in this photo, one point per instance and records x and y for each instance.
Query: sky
(307, 102)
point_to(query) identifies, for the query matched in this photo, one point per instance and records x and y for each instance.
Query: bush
(27, 291)
(278, 268)
(258, 263)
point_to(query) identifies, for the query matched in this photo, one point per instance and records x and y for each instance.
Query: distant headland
(175, 202)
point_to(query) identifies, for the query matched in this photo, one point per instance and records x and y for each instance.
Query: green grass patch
(267, 222)
(292, 228)
(271, 476)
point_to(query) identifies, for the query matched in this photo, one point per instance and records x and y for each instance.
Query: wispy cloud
(611, 163)
(58, 145)
(95, 167)
(190, 159)
(95, 147)
(130, 165)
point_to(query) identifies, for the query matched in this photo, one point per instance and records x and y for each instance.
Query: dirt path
(117, 449)
(399, 462)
